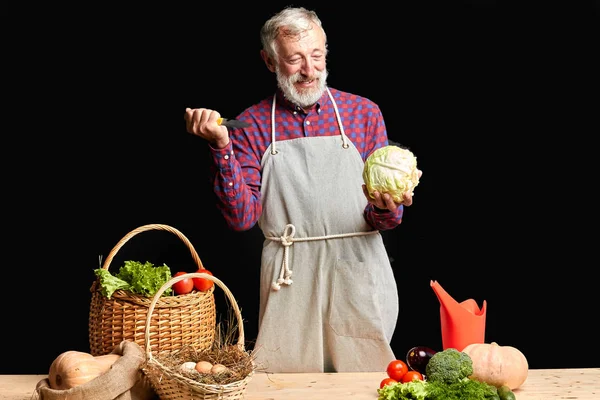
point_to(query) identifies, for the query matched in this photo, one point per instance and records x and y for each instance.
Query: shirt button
(230, 183)
(226, 156)
(307, 122)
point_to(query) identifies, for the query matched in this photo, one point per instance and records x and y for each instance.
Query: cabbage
(391, 169)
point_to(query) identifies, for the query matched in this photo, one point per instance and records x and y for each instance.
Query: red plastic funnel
(462, 323)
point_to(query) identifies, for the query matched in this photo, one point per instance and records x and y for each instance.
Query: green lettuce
(109, 283)
(143, 279)
(413, 390)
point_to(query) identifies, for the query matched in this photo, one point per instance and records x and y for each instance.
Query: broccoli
(449, 366)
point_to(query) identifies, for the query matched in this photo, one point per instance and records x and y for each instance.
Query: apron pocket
(353, 308)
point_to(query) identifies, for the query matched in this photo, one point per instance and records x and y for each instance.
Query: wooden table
(541, 384)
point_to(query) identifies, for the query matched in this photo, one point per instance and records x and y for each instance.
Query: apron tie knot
(287, 240)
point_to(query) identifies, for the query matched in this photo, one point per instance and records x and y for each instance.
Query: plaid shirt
(237, 167)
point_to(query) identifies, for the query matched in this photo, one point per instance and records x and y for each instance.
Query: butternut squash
(73, 368)
(498, 365)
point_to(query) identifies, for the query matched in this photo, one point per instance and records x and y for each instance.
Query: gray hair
(291, 21)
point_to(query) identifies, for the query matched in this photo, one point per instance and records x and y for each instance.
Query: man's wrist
(220, 144)
(380, 210)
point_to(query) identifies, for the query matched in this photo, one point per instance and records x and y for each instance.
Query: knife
(233, 123)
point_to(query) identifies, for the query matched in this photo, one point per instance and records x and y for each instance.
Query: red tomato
(184, 286)
(387, 381)
(412, 376)
(203, 284)
(396, 369)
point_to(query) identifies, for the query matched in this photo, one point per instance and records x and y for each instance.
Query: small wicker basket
(170, 384)
(179, 320)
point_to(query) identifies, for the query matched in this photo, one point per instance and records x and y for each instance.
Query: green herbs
(143, 279)
(465, 389)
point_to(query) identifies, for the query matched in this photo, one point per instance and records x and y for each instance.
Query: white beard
(306, 98)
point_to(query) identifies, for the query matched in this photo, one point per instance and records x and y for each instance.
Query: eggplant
(418, 357)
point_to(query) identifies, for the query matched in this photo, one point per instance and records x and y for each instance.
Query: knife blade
(233, 123)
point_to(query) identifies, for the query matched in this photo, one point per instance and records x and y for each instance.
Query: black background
(497, 101)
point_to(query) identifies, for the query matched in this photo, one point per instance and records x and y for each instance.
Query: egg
(219, 368)
(187, 366)
(204, 367)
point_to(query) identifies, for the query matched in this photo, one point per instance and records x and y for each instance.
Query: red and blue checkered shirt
(237, 167)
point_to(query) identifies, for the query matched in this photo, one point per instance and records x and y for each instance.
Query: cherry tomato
(396, 369)
(184, 286)
(412, 376)
(387, 381)
(203, 284)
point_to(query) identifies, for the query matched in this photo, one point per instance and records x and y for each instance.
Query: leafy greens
(143, 279)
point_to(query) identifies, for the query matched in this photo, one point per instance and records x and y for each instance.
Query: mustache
(298, 77)
(301, 80)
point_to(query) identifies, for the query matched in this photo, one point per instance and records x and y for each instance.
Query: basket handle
(171, 282)
(149, 227)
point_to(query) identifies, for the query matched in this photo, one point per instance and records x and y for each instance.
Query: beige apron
(338, 310)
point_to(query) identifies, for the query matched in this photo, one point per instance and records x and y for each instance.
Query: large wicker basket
(170, 384)
(178, 320)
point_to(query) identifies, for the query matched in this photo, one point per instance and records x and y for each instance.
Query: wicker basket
(178, 320)
(169, 384)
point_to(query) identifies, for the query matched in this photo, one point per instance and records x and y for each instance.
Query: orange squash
(73, 368)
(106, 361)
(498, 365)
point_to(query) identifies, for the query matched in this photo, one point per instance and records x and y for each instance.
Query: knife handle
(232, 123)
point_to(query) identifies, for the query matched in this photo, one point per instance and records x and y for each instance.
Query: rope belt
(287, 240)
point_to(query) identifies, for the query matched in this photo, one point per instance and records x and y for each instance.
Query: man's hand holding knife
(209, 125)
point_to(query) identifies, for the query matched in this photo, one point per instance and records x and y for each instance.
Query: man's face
(301, 66)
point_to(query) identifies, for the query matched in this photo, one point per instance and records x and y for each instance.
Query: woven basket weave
(178, 320)
(169, 384)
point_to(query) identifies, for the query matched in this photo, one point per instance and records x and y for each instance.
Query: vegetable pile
(146, 279)
(447, 377)
(391, 169)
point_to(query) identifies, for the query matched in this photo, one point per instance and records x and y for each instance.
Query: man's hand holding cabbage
(390, 175)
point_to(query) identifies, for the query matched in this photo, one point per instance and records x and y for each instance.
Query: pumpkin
(498, 365)
(73, 368)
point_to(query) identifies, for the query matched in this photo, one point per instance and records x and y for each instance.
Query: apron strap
(273, 149)
(345, 144)
(287, 240)
(339, 120)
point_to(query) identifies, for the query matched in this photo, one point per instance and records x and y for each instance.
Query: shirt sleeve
(237, 190)
(383, 219)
